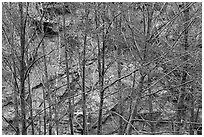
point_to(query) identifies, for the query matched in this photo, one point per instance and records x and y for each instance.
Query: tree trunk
(44, 106)
(181, 107)
(39, 125)
(56, 116)
(56, 108)
(22, 70)
(192, 117)
(83, 88)
(135, 103)
(16, 91)
(131, 102)
(120, 97)
(83, 78)
(16, 118)
(101, 69)
(47, 87)
(67, 73)
(150, 109)
(146, 58)
(31, 106)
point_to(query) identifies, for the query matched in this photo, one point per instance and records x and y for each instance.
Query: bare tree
(101, 71)
(67, 73)
(84, 75)
(120, 92)
(22, 69)
(47, 87)
(181, 106)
